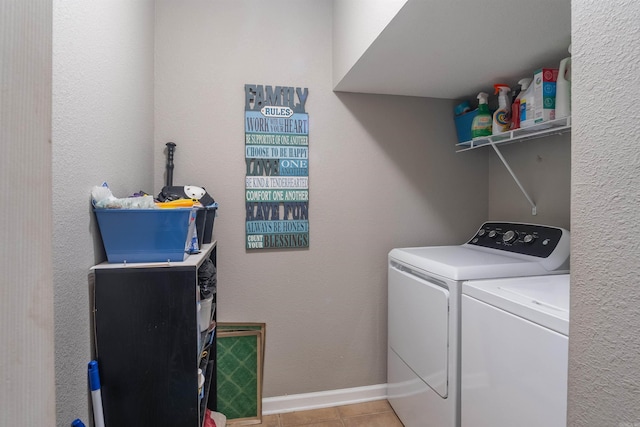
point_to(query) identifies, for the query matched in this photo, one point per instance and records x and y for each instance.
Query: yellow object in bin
(180, 203)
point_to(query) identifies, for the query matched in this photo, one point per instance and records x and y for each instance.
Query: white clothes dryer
(424, 291)
(515, 350)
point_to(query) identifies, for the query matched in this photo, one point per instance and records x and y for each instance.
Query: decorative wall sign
(277, 161)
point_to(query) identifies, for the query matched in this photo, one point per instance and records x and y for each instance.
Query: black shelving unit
(149, 344)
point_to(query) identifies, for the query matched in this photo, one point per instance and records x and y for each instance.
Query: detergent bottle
(515, 107)
(482, 122)
(502, 116)
(563, 88)
(527, 106)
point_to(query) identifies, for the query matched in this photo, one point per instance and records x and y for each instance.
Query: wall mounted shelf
(541, 130)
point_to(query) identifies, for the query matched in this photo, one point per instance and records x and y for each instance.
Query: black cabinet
(150, 341)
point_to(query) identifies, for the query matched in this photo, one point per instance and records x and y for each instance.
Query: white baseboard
(323, 399)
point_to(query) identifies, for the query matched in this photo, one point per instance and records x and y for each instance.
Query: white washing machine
(515, 352)
(423, 365)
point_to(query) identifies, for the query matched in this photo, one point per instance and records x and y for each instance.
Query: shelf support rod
(515, 178)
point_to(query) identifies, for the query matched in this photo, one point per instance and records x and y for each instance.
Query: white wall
(383, 174)
(356, 24)
(102, 130)
(27, 393)
(604, 347)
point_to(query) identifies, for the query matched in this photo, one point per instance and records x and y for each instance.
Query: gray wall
(26, 298)
(543, 167)
(102, 130)
(604, 345)
(383, 173)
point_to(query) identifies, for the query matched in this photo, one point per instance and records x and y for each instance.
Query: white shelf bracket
(515, 178)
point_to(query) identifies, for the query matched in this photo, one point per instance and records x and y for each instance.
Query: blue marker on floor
(96, 396)
(77, 423)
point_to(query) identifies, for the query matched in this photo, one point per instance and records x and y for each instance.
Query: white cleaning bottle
(515, 107)
(502, 116)
(527, 107)
(563, 88)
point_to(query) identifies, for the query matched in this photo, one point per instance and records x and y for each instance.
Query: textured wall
(383, 173)
(26, 298)
(604, 348)
(102, 130)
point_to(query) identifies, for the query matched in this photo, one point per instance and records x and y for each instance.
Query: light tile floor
(369, 414)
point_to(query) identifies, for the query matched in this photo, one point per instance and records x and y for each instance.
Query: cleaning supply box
(544, 93)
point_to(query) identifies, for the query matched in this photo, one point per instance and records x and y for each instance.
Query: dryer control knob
(492, 234)
(481, 232)
(509, 236)
(529, 238)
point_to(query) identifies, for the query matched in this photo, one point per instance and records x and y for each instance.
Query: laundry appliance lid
(543, 300)
(466, 262)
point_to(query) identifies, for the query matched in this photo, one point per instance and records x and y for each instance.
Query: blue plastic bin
(463, 125)
(146, 235)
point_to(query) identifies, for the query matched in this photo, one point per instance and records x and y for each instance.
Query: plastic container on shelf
(515, 107)
(563, 89)
(482, 123)
(502, 116)
(204, 223)
(205, 313)
(462, 108)
(146, 235)
(200, 383)
(527, 102)
(463, 125)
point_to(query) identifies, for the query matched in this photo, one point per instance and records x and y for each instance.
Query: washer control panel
(527, 239)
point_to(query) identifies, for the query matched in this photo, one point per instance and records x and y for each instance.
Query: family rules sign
(277, 160)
